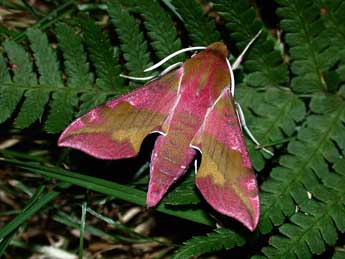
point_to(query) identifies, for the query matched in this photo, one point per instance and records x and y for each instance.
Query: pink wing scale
(165, 168)
(229, 198)
(228, 129)
(146, 108)
(100, 144)
(172, 153)
(225, 177)
(226, 201)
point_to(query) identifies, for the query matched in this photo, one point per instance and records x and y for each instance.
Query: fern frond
(64, 102)
(184, 194)
(103, 56)
(134, 45)
(48, 68)
(21, 64)
(201, 30)
(317, 223)
(271, 115)
(90, 99)
(219, 239)
(310, 154)
(64, 97)
(263, 61)
(333, 20)
(4, 74)
(160, 29)
(240, 18)
(32, 108)
(10, 96)
(22, 70)
(61, 113)
(45, 58)
(310, 50)
(76, 65)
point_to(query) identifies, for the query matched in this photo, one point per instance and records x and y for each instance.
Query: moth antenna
(240, 57)
(171, 56)
(246, 129)
(138, 78)
(171, 67)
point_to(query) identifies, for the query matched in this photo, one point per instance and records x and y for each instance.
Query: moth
(193, 110)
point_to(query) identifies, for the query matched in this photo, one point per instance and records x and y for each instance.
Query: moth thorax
(219, 47)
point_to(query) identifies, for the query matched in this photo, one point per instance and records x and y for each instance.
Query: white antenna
(171, 56)
(137, 78)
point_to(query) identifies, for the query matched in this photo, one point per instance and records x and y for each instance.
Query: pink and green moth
(192, 108)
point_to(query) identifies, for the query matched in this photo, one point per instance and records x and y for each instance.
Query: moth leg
(240, 57)
(243, 123)
(195, 167)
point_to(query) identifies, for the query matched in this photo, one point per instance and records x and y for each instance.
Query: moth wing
(225, 177)
(117, 128)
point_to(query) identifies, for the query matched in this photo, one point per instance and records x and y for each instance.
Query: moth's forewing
(225, 177)
(116, 129)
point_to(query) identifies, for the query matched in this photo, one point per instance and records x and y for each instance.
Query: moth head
(220, 48)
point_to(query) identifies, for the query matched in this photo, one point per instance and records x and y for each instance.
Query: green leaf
(310, 49)
(35, 204)
(123, 228)
(91, 99)
(271, 116)
(77, 69)
(134, 46)
(201, 30)
(332, 18)
(161, 30)
(82, 229)
(110, 188)
(102, 54)
(316, 225)
(5, 242)
(9, 98)
(61, 111)
(289, 187)
(37, 97)
(21, 64)
(4, 75)
(45, 58)
(76, 65)
(263, 61)
(219, 239)
(298, 171)
(22, 70)
(184, 194)
(32, 108)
